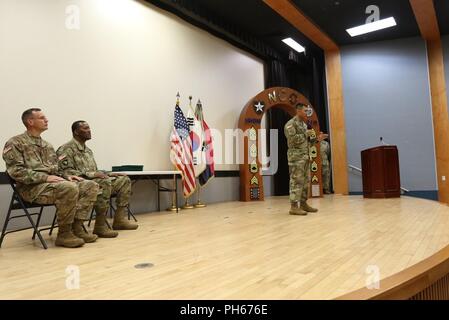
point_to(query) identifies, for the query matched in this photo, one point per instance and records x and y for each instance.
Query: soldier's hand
(311, 133)
(116, 174)
(75, 178)
(54, 179)
(100, 175)
(320, 136)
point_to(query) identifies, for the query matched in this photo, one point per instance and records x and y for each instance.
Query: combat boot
(101, 228)
(297, 211)
(306, 207)
(78, 230)
(120, 221)
(66, 238)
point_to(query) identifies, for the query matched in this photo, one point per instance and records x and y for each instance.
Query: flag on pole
(181, 151)
(197, 138)
(207, 149)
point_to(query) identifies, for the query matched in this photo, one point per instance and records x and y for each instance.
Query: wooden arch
(251, 180)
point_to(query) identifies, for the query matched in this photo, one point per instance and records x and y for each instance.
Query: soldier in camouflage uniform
(325, 165)
(299, 140)
(78, 159)
(33, 164)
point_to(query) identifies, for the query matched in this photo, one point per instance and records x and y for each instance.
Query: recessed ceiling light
(293, 44)
(373, 26)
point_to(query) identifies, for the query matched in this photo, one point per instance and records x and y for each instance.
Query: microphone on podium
(383, 142)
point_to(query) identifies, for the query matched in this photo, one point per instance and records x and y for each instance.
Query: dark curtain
(307, 79)
(276, 75)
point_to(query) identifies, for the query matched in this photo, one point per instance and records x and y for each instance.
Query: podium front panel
(380, 172)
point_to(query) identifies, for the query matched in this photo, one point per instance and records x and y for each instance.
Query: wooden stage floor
(235, 250)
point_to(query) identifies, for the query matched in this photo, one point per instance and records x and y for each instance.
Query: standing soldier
(76, 158)
(325, 165)
(33, 164)
(299, 140)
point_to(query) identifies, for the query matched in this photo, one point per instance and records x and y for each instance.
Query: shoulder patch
(291, 130)
(7, 149)
(62, 157)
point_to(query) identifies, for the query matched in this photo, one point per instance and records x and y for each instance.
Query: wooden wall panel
(337, 121)
(426, 17)
(440, 116)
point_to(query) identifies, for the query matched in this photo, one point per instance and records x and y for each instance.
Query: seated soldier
(77, 159)
(33, 164)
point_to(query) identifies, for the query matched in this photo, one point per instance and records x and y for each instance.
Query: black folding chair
(17, 203)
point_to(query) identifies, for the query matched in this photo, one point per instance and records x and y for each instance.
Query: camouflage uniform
(298, 141)
(29, 161)
(325, 166)
(78, 159)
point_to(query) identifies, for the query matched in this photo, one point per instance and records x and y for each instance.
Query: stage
(234, 250)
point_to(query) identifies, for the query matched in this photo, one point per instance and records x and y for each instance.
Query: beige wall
(120, 71)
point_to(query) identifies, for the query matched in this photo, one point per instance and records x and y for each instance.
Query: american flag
(181, 152)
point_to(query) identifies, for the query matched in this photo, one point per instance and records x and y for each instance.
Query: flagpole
(199, 204)
(199, 114)
(174, 205)
(186, 204)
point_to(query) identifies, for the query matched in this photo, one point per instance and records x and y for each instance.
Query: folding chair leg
(44, 244)
(5, 225)
(38, 222)
(111, 209)
(90, 220)
(52, 225)
(130, 214)
(91, 217)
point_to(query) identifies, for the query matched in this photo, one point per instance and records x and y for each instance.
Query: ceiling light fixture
(293, 44)
(373, 26)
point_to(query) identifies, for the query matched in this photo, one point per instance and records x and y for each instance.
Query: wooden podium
(380, 172)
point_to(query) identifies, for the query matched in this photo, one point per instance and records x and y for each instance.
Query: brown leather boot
(121, 222)
(66, 238)
(306, 207)
(101, 228)
(296, 210)
(79, 231)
